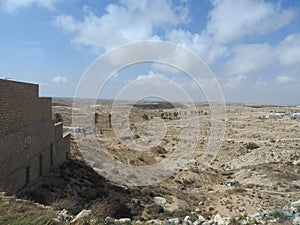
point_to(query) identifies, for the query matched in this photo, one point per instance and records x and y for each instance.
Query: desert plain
(256, 167)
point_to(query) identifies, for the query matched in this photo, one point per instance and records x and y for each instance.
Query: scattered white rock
(197, 222)
(160, 200)
(109, 220)
(153, 222)
(63, 216)
(254, 215)
(174, 220)
(201, 219)
(187, 218)
(82, 214)
(296, 162)
(123, 220)
(217, 218)
(221, 221)
(257, 218)
(296, 204)
(197, 209)
(210, 222)
(296, 221)
(56, 220)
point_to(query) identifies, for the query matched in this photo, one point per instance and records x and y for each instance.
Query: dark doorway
(41, 165)
(51, 154)
(27, 175)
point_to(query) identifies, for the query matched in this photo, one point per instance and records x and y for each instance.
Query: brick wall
(30, 143)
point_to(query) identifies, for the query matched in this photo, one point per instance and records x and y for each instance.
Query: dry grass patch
(15, 212)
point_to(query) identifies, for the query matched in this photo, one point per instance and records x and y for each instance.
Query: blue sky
(252, 46)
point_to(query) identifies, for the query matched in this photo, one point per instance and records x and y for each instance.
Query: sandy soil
(264, 177)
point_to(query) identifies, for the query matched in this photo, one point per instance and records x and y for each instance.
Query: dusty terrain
(260, 156)
(254, 178)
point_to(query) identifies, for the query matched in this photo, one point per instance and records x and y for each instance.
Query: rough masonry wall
(61, 143)
(21, 106)
(30, 144)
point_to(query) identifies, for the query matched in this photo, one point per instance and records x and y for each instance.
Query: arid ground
(256, 169)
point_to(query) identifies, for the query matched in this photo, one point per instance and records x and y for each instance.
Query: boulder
(160, 200)
(109, 220)
(187, 220)
(221, 221)
(210, 222)
(296, 221)
(174, 221)
(153, 222)
(63, 215)
(296, 204)
(82, 214)
(200, 219)
(123, 220)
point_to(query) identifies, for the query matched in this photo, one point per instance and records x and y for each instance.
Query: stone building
(30, 142)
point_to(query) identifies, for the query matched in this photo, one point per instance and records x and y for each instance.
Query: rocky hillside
(75, 194)
(254, 179)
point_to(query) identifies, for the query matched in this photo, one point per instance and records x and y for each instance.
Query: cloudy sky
(251, 46)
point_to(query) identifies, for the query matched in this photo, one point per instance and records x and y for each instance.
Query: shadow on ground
(76, 186)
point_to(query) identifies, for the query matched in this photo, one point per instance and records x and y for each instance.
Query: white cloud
(249, 58)
(283, 79)
(230, 19)
(153, 85)
(66, 22)
(289, 50)
(158, 51)
(130, 21)
(261, 83)
(12, 6)
(151, 77)
(235, 81)
(59, 79)
(123, 23)
(161, 67)
(201, 44)
(170, 88)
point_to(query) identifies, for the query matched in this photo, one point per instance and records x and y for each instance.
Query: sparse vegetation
(265, 185)
(145, 116)
(234, 221)
(58, 118)
(278, 214)
(252, 145)
(24, 213)
(141, 158)
(154, 209)
(96, 118)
